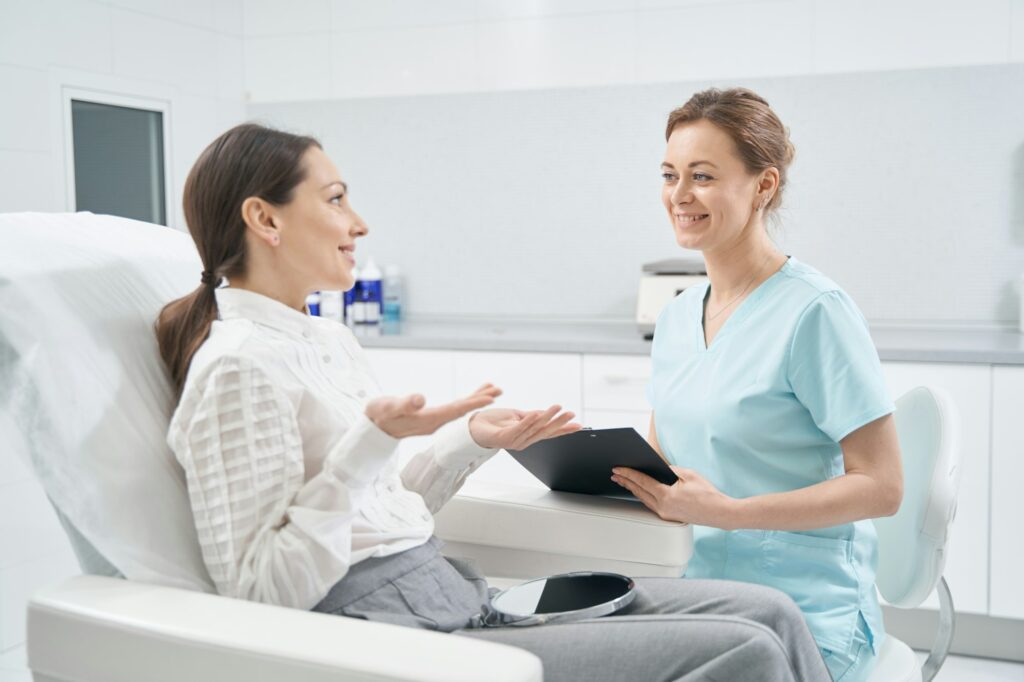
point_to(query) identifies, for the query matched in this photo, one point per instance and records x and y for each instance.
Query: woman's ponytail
(181, 328)
(249, 160)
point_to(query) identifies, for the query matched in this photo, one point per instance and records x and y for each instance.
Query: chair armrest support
(600, 531)
(99, 629)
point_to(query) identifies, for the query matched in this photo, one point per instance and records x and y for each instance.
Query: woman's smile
(688, 220)
(348, 252)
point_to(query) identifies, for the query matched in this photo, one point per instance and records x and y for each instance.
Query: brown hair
(249, 160)
(760, 138)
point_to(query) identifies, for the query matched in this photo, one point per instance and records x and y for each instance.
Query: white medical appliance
(662, 281)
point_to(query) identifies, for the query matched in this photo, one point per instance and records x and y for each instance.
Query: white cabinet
(608, 391)
(967, 568)
(616, 382)
(1007, 491)
(530, 381)
(401, 372)
(613, 391)
(617, 419)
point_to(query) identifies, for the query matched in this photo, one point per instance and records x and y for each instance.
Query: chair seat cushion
(897, 662)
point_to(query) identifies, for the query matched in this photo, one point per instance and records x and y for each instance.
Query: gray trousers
(675, 629)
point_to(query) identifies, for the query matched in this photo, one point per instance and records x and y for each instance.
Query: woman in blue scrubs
(767, 392)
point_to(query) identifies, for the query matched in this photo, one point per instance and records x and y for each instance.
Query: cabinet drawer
(616, 382)
(529, 381)
(401, 372)
(615, 419)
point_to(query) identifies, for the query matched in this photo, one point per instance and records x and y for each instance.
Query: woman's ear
(767, 186)
(259, 217)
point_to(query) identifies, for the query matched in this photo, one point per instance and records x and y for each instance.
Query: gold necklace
(726, 306)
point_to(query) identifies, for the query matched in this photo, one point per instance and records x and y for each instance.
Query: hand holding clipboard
(582, 462)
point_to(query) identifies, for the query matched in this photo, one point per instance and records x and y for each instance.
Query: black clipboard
(582, 462)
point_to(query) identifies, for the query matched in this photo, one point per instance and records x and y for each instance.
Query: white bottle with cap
(331, 305)
(349, 300)
(391, 307)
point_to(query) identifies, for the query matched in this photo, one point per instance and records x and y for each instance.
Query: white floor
(957, 669)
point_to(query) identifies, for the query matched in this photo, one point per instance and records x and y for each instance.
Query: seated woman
(767, 387)
(289, 451)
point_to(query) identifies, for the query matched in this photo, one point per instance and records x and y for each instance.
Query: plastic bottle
(313, 303)
(349, 299)
(368, 288)
(391, 310)
(331, 306)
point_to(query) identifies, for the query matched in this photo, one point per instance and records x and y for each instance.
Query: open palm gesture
(400, 417)
(517, 429)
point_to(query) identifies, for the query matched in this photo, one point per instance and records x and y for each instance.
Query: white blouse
(290, 483)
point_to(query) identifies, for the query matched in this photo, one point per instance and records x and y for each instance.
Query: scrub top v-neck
(737, 315)
(760, 410)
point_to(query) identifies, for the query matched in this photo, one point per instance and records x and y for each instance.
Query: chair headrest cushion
(87, 393)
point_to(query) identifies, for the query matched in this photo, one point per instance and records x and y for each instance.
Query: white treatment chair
(912, 543)
(86, 401)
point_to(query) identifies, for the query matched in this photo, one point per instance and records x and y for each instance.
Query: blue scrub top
(790, 374)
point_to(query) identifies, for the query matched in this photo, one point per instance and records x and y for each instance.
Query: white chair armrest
(98, 629)
(603, 533)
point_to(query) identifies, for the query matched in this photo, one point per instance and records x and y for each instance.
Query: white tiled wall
(881, 34)
(1017, 30)
(557, 51)
(765, 38)
(33, 551)
(191, 50)
(404, 47)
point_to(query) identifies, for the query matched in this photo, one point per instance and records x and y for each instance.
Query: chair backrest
(84, 396)
(912, 543)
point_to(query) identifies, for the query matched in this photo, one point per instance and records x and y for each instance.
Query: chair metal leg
(944, 636)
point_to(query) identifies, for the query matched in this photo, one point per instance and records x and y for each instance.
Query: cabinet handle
(619, 379)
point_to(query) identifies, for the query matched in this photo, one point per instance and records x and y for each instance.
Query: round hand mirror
(564, 598)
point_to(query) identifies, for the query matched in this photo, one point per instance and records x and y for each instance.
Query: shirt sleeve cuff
(362, 453)
(455, 448)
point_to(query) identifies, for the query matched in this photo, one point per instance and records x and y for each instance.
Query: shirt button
(362, 393)
(327, 358)
(305, 334)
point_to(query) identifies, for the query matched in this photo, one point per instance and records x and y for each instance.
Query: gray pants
(675, 629)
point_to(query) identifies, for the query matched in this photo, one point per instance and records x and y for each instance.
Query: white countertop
(916, 344)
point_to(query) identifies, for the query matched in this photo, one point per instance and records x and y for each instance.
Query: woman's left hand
(515, 429)
(692, 499)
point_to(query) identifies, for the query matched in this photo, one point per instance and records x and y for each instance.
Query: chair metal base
(944, 636)
(897, 662)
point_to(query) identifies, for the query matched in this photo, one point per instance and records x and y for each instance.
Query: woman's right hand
(409, 416)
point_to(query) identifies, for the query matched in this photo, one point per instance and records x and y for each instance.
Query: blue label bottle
(368, 294)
